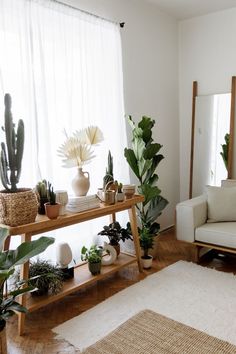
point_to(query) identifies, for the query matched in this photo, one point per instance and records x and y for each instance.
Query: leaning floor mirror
(212, 139)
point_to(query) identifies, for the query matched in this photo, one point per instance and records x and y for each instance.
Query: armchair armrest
(189, 215)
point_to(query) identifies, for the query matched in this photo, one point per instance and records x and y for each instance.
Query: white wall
(207, 54)
(150, 47)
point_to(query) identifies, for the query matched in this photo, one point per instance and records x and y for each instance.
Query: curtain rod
(88, 13)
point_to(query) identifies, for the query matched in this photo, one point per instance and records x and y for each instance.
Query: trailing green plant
(144, 158)
(225, 150)
(146, 240)
(12, 151)
(109, 171)
(92, 255)
(51, 195)
(46, 277)
(8, 261)
(115, 233)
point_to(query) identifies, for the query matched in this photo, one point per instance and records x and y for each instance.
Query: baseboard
(168, 228)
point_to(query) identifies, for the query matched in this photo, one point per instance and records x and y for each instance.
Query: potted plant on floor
(146, 243)
(46, 277)
(144, 158)
(52, 208)
(18, 205)
(94, 258)
(8, 260)
(115, 233)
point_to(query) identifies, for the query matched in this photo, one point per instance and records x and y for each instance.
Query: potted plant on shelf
(76, 152)
(94, 258)
(41, 189)
(146, 243)
(144, 158)
(115, 233)
(8, 260)
(120, 194)
(18, 205)
(52, 208)
(46, 277)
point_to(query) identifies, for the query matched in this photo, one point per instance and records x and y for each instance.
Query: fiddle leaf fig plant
(144, 158)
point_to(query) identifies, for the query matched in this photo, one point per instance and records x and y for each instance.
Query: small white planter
(120, 197)
(147, 262)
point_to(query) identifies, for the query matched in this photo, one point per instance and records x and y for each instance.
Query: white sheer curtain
(63, 69)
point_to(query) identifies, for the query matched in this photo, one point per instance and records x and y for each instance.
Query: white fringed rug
(199, 297)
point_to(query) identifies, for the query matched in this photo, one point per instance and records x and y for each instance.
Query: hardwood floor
(39, 339)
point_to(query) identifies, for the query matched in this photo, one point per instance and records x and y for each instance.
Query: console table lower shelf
(82, 278)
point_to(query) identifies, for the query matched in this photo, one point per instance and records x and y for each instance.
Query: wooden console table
(82, 276)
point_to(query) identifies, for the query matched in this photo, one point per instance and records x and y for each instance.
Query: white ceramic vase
(63, 254)
(81, 183)
(62, 199)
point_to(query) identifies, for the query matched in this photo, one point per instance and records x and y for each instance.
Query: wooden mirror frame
(231, 131)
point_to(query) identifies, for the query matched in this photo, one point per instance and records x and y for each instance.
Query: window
(63, 69)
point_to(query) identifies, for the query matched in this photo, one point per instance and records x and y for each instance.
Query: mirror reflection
(211, 136)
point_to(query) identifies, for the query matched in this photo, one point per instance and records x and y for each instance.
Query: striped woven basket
(18, 208)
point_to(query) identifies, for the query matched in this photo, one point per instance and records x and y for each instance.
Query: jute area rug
(149, 332)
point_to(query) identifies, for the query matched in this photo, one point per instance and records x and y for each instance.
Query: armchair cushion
(221, 203)
(221, 234)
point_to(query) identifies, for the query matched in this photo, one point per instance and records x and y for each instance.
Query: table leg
(6, 245)
(24, 274)
(134, 229)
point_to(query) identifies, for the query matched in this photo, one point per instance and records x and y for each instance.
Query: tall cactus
(109, 171)
(11, 153)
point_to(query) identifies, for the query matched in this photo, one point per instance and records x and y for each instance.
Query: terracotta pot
(3, 341)
(52, 211)
(147, 262)
(95, 268)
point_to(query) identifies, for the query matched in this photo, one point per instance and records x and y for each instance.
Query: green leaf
(151, 151)
(149, 192)
(132, 161)
(131, 122)
(18, 292)
(155, 208)
(143, 166)
(24, 252)
(153, 179)
(138, 147)
(4, 232)
(155, 162)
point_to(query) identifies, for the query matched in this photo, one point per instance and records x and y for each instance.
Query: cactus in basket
(109, 171)
(12, 151)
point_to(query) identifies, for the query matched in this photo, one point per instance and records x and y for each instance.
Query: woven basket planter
(18, 208)
(3, 341)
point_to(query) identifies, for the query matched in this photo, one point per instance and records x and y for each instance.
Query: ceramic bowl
(129, 190)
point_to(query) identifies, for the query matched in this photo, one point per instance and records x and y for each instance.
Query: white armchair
(192, 225)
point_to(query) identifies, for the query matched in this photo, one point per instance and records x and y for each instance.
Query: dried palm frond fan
(17, 206)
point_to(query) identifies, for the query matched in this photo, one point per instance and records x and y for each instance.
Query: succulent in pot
(52, 208)
(8, 261)
(120, 194)
(42, 193)
(115, 233)
(93, 256)
(12, 198)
